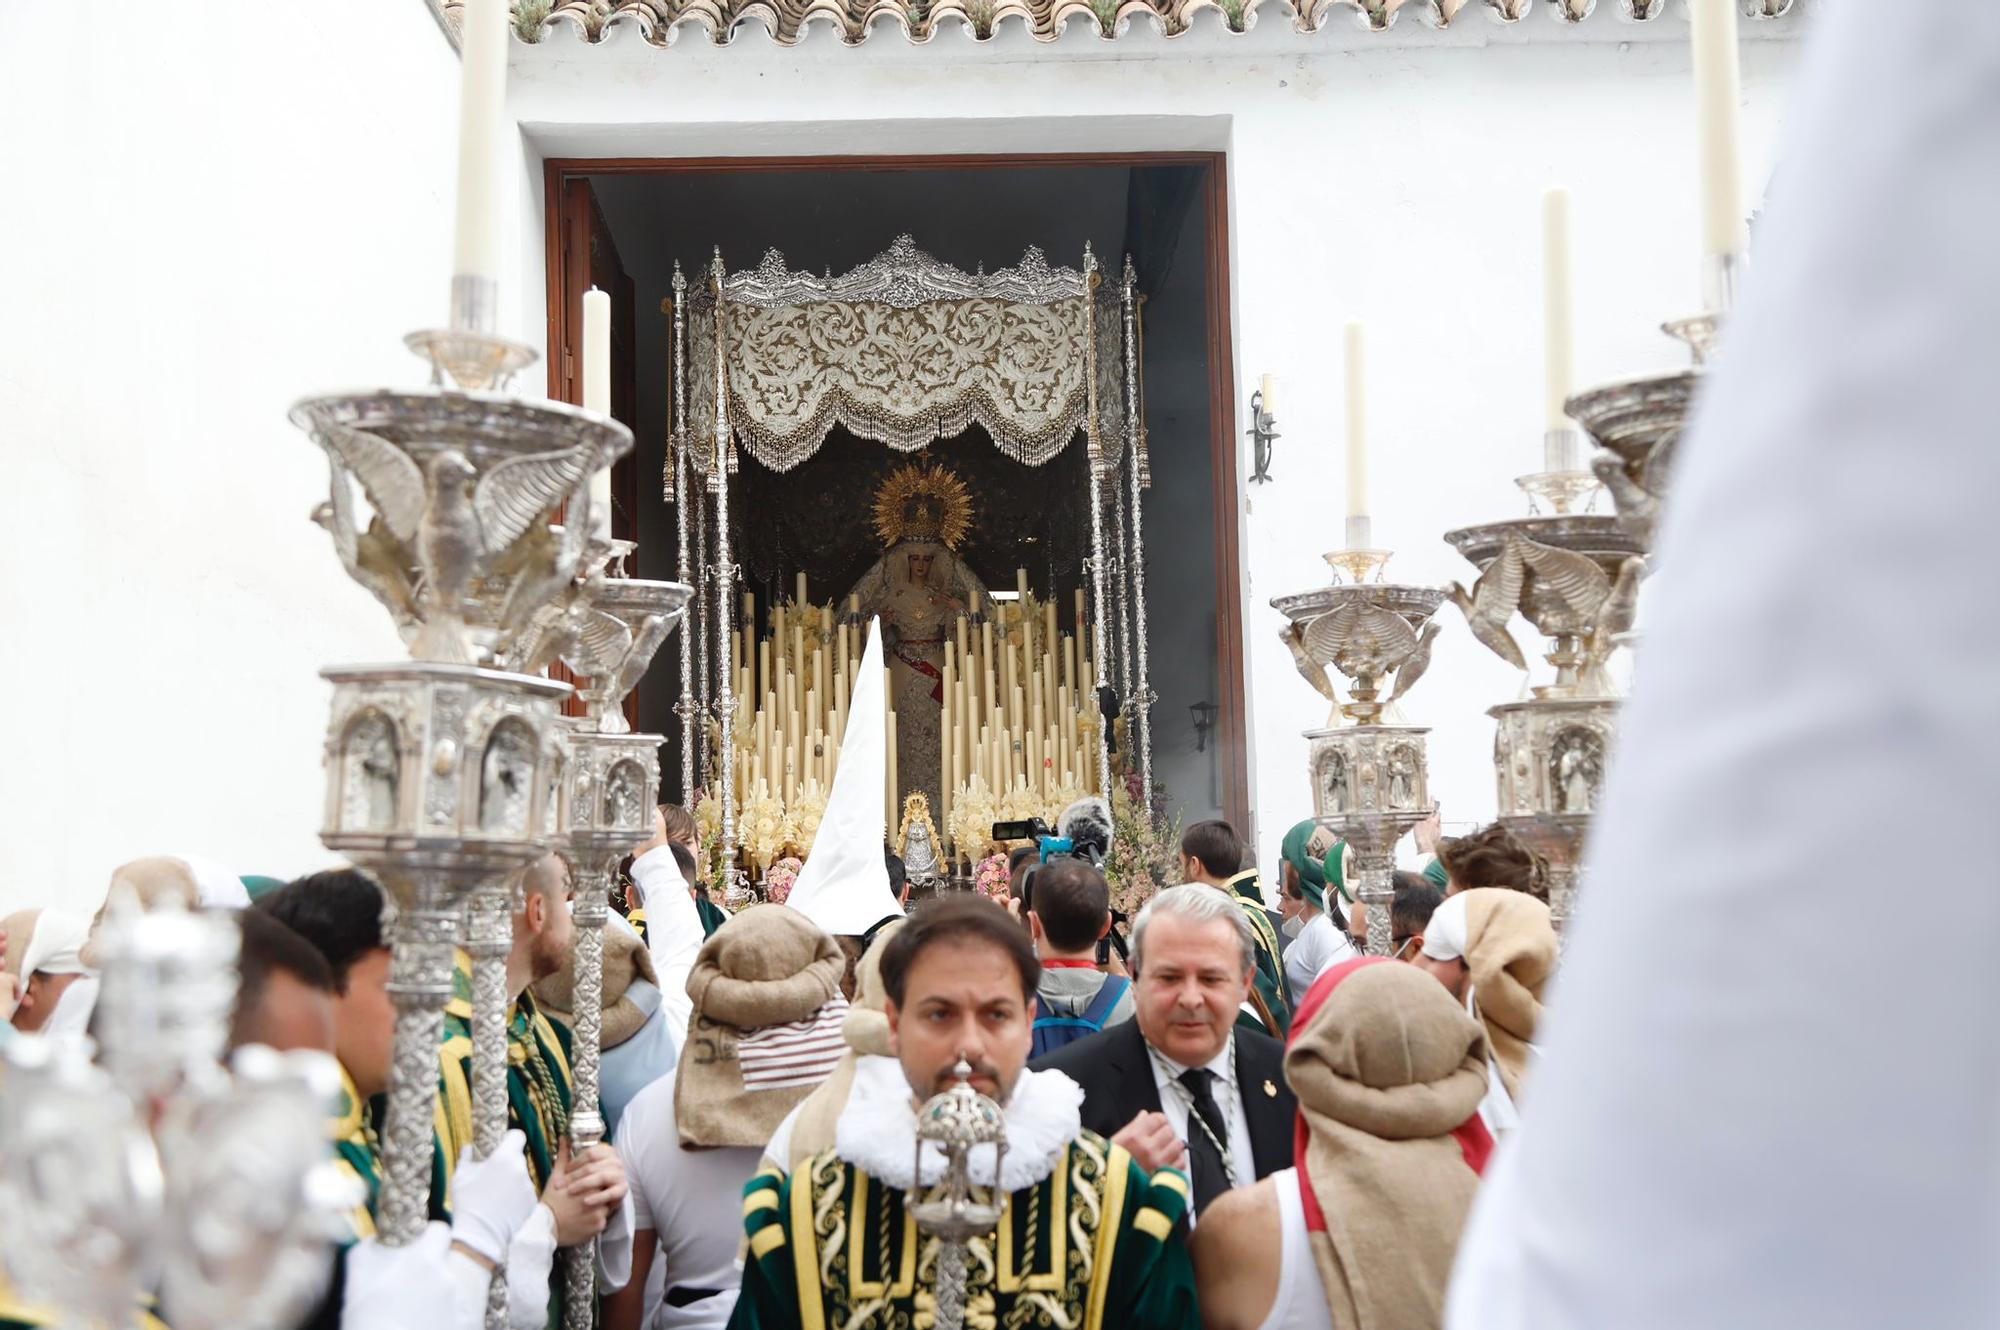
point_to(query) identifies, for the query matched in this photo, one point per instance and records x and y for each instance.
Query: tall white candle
(482, 92)
(1357, 427)
(1267, 390)
(597, 392)
(1717, 87)
(599, 351)
(1558, 336)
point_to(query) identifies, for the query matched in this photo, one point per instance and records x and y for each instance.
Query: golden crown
(926, 503)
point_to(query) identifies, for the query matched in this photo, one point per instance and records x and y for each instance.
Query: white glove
(492, 1197)
(529, 1262)
(397, 1288)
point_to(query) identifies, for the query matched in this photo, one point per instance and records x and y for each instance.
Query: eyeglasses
(1404, 945)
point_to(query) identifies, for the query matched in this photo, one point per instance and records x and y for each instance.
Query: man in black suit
(1181, 1085)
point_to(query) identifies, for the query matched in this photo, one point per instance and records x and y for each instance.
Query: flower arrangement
(991, 878)
(807, 811)
(779, 878)
(708, 829)
(973, 813)
(763, 826)
(1143, 857)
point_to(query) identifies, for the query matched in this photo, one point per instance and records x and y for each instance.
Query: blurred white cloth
(56, 945)
(1770, 1091)
(217, 886)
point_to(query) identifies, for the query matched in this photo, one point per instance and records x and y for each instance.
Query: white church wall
(210, 216)
(1392, 179)
(217, 215)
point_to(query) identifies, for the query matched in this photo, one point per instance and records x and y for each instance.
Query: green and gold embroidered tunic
(358, 1154)
(17, 1314)
(538, 1086)
(1094, 1246)
(1267, 985)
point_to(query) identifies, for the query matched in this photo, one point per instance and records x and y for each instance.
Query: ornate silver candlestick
(440, 772)
(956, 1121)
(99, 1206)
(610, 788)
(1637, 421)
(1576, 578)
(1370, 780)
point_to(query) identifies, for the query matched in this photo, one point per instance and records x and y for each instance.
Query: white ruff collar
(877, 1131)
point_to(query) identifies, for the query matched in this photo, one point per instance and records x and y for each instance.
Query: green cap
(1334, 868)
(1297, 849)
(259, 886)
(1434, 870)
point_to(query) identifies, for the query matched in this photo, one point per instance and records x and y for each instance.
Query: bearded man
(1085, 1239)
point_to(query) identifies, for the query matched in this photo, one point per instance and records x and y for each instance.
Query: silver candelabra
(443, 771)
(131, 1175)
(1370, 779)
(1576, 577)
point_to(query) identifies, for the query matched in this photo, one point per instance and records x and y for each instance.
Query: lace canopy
(905, 350)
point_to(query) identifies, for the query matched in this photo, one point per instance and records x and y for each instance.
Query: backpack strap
(1106, 1001)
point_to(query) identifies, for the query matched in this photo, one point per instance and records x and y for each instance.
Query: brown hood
(625, 959)
(1385, 1068)
(1510, 950)
(766, 966)
(866, 1030)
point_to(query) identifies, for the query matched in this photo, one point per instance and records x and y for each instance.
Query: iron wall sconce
(1263, 429)
(1204, 721)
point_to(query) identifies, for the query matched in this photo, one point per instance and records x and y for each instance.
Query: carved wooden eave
(660, 22)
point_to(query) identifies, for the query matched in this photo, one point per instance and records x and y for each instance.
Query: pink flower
(991, 877)
(779, 877)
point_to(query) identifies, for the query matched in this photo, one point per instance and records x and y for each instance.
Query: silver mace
(610, 789)
(955, 1121)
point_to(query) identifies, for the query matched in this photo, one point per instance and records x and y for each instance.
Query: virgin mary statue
(920, 589)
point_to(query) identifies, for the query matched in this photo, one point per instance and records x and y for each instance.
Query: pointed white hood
(844, 886)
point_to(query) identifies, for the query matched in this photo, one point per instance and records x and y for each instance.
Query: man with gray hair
(1181, 1085)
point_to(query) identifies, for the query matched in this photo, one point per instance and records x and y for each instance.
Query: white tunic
(1320, 945)
(693, 1201)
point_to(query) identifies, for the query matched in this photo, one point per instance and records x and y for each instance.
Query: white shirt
(1318, 948)
(693, 1202)
(673, 933)
(1300, 1302)
(778, 1150)
(1174, 1102)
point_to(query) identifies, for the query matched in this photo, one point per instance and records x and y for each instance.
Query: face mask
(1294, 925)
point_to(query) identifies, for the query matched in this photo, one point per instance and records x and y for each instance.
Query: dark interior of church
(816, 518)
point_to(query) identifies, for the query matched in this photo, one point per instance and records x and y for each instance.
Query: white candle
(482, 93)
(1558, 337)
(1357, 429)
(597, 351)
(1267, 390)
(597, 392)
(1717, 85)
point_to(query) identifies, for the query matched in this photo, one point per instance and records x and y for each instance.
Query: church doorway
(624, 225)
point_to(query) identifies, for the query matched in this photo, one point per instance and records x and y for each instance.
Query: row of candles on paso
(1019, 702)
(1717, 81)
(1013, 712)
(792, 688)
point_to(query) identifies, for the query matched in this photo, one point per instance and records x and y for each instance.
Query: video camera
(1051, 846)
